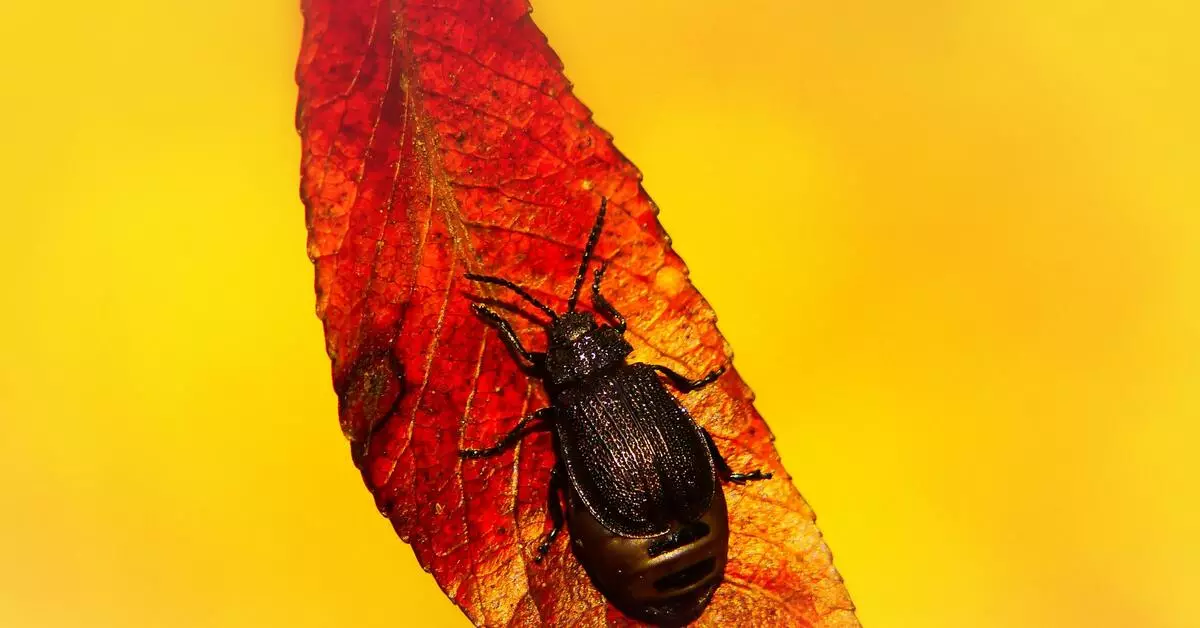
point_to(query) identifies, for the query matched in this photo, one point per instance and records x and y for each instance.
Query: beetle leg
(508, 335)
(509, 439)
(554, 507)
(688, 385)
(602, 304)
(727, 474)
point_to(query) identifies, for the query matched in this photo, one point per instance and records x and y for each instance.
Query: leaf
(441, 138)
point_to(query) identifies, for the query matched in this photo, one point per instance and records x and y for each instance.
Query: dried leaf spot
(670, 281)
(369, 395)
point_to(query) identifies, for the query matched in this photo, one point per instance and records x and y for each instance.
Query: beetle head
(570, 327)
(578, 347)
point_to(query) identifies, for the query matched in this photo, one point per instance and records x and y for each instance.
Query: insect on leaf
(441, 138)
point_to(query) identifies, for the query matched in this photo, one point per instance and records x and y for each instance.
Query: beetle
(637, 481)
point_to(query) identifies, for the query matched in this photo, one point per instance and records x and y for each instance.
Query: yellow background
(956, 246)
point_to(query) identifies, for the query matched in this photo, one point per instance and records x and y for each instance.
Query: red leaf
(441, 138)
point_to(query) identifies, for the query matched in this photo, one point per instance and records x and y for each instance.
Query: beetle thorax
(579, 348)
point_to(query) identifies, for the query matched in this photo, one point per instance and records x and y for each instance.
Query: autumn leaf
(441, 138)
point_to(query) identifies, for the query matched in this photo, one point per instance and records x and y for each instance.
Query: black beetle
(645, 508)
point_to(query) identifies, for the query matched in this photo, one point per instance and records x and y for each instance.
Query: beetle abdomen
(666, 580)
(633, 455)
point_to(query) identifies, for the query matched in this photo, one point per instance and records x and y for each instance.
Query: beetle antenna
(498, 281)
(587, 255)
